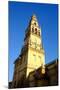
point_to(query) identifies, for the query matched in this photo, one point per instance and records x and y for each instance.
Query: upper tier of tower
(33, 21)
(33, 28)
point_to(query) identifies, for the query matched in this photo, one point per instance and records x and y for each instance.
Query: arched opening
(35, 30)
(32, 30)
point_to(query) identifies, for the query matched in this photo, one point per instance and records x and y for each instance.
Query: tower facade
(33, 40)
(32, 53)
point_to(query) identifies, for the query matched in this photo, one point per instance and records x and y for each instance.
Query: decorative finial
(34, 16)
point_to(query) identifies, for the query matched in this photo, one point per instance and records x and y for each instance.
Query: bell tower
(33, 41)
(32, 54)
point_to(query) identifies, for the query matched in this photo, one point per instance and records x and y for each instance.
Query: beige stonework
(32, 53)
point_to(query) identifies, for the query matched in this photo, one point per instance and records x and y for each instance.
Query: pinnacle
(33, 16)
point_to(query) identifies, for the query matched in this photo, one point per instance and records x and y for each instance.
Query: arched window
(35, 30)
(35, 23)
(39, 33)
(32, 30)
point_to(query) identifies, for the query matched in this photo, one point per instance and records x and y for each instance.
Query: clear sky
(19, 16)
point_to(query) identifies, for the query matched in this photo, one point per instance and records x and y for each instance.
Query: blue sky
(19, 16)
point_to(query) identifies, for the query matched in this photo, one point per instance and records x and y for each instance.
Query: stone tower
(36, 56)
(32, 53)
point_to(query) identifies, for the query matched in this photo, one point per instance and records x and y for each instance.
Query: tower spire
(34, 17)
